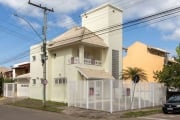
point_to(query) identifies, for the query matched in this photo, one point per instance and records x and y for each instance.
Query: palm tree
(130, 72)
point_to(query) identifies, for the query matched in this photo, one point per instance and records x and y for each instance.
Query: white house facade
(90, 52)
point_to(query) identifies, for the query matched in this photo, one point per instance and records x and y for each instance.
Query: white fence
(9, 90)
(16, 90)
(114, 95)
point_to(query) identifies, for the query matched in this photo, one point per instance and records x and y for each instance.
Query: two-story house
(146, 57)
(21, 74)
(90, 52)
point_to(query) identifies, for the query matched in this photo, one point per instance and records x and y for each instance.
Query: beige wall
(104, 17)
(139, 56)
(58, 66)
(36, 72)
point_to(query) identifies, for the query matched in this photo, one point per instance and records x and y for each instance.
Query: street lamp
(43, 59)
(39, 36)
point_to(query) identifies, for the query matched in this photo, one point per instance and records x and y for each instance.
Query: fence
(114, 95)
(9, 90)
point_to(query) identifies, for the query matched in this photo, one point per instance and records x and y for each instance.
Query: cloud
(60, 6)
(64, 21)
(62, 9)
(24, 23)
(21, 7)
(175, 35)
(131, 9)
(141, 8)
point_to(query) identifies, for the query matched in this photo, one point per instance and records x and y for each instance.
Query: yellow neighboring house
(145, 57)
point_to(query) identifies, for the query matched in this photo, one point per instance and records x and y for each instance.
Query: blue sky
(17, 37)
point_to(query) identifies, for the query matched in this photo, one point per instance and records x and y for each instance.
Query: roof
(95, 74)
(24, 76)
(25, 65)
(150, 47)
(101, 7)
(77, 34)
(3, 69)
(158, 49)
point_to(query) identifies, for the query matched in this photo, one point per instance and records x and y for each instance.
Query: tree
(130, 72)
(169, 75)
(178, 53)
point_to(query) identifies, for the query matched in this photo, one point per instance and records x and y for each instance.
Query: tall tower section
(106, 22)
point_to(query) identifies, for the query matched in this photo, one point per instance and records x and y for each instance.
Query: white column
(153, 94)
(140, 95)
(119, 95)
(87, 97)
(13, 89)
(68, 94)
(102, 93)
(81, 54)
(111, 99)
(95, 94)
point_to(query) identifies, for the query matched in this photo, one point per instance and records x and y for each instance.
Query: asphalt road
(17, 113)
(161, 117)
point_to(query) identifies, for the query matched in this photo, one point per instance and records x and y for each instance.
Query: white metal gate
(22, 90)
(10, 90)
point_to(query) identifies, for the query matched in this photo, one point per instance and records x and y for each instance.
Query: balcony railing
(75, 60)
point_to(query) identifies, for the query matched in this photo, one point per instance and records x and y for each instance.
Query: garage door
(23, 90)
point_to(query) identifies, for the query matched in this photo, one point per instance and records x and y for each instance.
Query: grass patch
(141, 113)
(37, 104)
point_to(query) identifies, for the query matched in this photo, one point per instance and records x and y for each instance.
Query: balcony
(75, 60)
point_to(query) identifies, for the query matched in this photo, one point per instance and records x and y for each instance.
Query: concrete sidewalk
(5, 100)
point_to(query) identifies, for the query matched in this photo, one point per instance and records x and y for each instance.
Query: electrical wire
(134, 22)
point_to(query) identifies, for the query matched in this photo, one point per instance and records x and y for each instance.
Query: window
(115, 64)
(59, 81)
(42, 81)
(24, 85)
(91, 91)
(33, 58)
(34, 81)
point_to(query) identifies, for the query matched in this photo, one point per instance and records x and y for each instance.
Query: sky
(17, 36)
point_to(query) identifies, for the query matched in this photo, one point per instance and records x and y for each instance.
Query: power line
(45, 9)
(163, 14)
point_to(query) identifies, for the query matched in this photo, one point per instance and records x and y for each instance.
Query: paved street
(17, 113)
(156, 117)
(161, 117)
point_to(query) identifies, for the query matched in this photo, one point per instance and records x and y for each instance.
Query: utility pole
(44, 56)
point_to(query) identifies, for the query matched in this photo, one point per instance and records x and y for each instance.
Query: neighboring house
(21, 69)
(3, 70)
(90, 52)
(21, 74)
(145, 57)
(8, 74)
